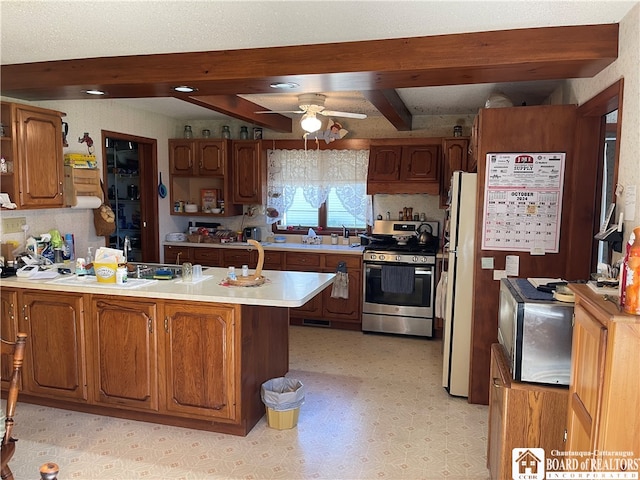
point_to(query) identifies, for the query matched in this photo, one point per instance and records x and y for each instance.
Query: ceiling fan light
(310, 123)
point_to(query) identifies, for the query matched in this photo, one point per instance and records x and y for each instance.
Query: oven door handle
(421, 270)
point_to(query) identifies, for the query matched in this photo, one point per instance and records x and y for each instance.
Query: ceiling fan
(312, 104)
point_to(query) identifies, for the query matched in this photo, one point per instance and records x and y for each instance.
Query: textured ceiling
(55, 30)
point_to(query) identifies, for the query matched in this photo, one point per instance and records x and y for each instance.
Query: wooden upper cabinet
(384, 163)
(455, 156)
(248, 172)
(33, 141)
(197, 157)
(420, 163)
(211, 156)
(182, 157)
(404, 166)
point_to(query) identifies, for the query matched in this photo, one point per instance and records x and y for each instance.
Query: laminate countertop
(282, 288)
(353, 249)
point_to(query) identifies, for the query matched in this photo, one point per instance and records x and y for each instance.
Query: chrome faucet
(127, 248)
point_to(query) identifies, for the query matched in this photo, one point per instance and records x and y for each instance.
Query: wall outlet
(13, 224)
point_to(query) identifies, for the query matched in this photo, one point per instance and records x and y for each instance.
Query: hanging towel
(398, 279)
(441, 295)
(340, 287)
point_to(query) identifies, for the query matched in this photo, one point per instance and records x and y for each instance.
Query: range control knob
(424, 259)
(398, 258)
(381, 257)
(415, 259)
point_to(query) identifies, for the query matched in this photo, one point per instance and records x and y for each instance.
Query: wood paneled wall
(528, 129)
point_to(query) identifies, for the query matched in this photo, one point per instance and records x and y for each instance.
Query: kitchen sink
(158, 271)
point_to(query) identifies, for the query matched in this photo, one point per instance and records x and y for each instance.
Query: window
(332, 213)
(318, 188)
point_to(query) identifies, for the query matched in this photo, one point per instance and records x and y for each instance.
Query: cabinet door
(498, 394)
(200, 360)
(588, 352)
(176, 254)
(246, 172)
(8, 330)
(182, 157)
(210, 157)
(55, 358)
(344, 308)
(420, 163)
(384, 163)
(455, 156)
(125, 353)
(40, 163)
(209, 257)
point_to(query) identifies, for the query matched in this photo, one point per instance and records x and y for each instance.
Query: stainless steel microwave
(535, 332)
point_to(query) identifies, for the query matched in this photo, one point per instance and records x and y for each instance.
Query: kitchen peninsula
(186, 354)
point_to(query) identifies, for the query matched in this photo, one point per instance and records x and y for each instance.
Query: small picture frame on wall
(257, 133)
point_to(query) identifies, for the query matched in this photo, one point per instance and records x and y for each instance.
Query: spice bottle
(231, 273)
(187, 131)
(226, 133)
(244, 133)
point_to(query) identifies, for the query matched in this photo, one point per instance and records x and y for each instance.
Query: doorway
(130, 171)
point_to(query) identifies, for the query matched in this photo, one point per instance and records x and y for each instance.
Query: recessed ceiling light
(94, 92)
(284, 85)
(185, 89)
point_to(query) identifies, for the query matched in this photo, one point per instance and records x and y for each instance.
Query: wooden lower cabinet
(200, 346)
(323, 309)
(190, 364)
(177, 254)
(125, 352)
(604, 393)
(55, 359)
(8, 330)
(521, 416)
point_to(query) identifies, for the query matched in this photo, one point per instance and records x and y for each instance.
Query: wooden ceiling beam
(391, 106)
(500, 56)
(242, 109)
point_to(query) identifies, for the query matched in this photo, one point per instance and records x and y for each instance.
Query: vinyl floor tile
(374, 409)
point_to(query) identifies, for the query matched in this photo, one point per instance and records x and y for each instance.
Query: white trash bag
(282, 393)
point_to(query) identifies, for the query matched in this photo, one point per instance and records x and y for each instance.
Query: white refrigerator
(459, 291)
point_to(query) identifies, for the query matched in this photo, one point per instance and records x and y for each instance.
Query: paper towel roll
(87, 202)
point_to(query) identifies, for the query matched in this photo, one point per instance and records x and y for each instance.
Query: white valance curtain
(316, 172)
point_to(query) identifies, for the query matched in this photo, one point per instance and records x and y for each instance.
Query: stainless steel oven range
(399, 278)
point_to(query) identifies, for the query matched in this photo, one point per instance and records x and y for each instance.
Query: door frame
(148, 163)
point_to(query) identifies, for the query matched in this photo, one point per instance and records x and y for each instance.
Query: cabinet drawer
(206, 256)
(237, 258)
(273, 260)
(353, 262)
(304, 260)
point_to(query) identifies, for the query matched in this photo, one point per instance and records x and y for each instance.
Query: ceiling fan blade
(332, 113)
(281, 111)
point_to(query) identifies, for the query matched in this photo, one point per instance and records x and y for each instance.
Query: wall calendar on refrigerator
(523, 202)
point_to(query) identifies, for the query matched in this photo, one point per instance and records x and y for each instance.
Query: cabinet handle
(150, 324)
(166, 324)
(24, 312)
(496, 383)
(564, 436)
(178, 258)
